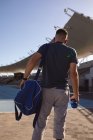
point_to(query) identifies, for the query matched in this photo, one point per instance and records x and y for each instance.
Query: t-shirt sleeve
(42, 50)
(73, 56)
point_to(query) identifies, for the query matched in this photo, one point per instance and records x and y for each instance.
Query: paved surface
(79, 126)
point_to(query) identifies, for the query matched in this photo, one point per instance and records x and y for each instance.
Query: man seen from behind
(60, 60)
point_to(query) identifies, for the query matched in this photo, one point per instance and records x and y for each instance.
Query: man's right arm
(74, 80)
(30, 65)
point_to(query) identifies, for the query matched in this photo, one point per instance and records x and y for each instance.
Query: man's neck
(59, 42)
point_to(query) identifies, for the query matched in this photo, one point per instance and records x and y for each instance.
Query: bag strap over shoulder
(39, 70)
(41, 64)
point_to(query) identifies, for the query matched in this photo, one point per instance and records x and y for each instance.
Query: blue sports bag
(28, 99)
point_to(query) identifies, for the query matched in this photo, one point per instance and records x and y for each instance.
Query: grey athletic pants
(59, 99)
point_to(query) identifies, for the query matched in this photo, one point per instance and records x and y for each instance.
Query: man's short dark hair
(62, 32)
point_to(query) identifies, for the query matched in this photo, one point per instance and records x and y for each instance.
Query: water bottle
(74, 103)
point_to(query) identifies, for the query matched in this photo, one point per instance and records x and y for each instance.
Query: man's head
(61, 35)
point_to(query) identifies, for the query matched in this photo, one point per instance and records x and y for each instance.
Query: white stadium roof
(80, 29)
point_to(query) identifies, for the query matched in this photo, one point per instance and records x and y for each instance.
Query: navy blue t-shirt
(55, 70)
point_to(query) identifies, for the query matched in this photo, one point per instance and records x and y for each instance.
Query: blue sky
(25, 24)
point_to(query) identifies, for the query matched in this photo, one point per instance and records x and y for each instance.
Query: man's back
(56, 66)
